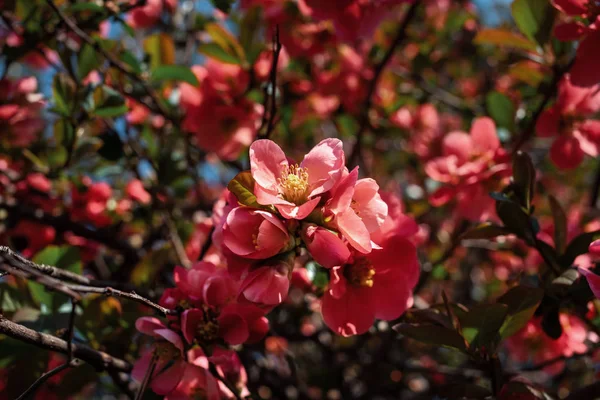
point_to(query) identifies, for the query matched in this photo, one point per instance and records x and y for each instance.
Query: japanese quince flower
(571, 120)
(375, 285)
(212, 308)
(295, 190)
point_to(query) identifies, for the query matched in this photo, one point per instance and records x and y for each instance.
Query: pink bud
(594, 248)
(324, 246)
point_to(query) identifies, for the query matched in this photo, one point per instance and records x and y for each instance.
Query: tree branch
(98, 359)
(42, 379)
(379, 68)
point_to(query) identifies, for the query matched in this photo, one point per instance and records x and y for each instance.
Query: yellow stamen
(360, 273)
(207, 331)
(293, 184)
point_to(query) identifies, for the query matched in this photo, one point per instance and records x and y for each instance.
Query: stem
(42, 379)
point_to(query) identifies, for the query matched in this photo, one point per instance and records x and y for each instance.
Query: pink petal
(342, 198)
(233, 329)
(586, 69)
(351, 314)
(392, 298)
(398, 258)
(483, 133)
(167, 380)
(298, 212)
(566, 152)
(548, 124)
(265, 285)
(267, 162)
(593, 280)
(148, 325)
(354, 230)
(170, 336)
(571, 7)
(190, 319)
(324, 164)
(569, 31)
(594, 248)
(459, 144)
(371, 208)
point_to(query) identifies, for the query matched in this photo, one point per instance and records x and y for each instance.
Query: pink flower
(376, 285)
(465, 154)
(205, 283)
(594, 248)
(571, 118)
(295, 190)
(254, 234)
(357, 209)
(531, 343)
(167, 351)
(21, 120)
(135, 190)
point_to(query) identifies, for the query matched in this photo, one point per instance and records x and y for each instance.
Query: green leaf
(560, 224)
(215, 51)
(481, 325)
(64, 93)
(578, 246)
(524, 179)
(534, 18)
(486, 230)
(503, 37)
(86, 7)
(88, 60)
(433, 334)
(63, 257)
(175, 73)
(522, 301)
(112, 105)
(516, 220)
(225, 40)
(242, 186)
(501, 109)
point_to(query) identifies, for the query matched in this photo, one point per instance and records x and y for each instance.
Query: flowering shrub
(299, 199)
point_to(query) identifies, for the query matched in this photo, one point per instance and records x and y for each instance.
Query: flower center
(360, 273)
(166, 351)
(198, 393)
(207, 331)
(293, 184)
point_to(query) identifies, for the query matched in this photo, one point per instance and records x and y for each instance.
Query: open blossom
(469, 162)
(210, 295)
(221, 119)
(532, 344)
(295, 190)
(375, 285)
(571, 120)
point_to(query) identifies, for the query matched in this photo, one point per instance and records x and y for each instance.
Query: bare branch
(98, 359)
(42, 379)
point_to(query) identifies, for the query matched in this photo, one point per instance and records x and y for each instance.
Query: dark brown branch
(98, 359)
(379, 68)
(19, 266)
(548, 92)
(147, 377)
(271, 97)
(42, 379)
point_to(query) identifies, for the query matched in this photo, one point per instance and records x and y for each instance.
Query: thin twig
(213, 370)
(47, 375)
(176, 241)
(379, 68)
(98, 359)
(19, 266)
(548, 92)
(147, 377)
(71, 329)
(273, 84)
